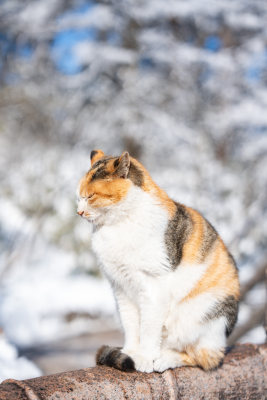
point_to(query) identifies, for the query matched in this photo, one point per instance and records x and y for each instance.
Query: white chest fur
(130, 244)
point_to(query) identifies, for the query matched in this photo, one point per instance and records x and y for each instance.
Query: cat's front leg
(152, 314)
(130, 321)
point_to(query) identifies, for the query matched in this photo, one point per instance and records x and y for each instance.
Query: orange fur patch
(105, 192)
(110, 166)
(98, 154)
(192, 247)
(187, 360)
(204, 358)
(151, 187)
(220, 277)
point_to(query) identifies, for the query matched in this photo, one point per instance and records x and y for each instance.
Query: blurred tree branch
(260, 276)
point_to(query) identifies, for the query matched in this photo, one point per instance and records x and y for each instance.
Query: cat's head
(106, 183)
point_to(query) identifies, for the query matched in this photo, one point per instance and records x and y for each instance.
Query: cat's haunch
(175, 283)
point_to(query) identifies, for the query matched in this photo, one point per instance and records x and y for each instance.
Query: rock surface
(243, 375)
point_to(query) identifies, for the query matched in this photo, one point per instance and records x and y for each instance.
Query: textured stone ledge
(243, 375)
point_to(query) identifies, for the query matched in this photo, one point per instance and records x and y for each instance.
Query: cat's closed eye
(87, 197)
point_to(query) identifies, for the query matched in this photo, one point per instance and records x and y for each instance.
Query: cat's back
(190, 238)
(192, 241)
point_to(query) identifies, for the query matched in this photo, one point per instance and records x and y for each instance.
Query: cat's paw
(142, 363)
(166, 362)
(161, 364)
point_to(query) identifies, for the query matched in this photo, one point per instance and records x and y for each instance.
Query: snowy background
(181, 85)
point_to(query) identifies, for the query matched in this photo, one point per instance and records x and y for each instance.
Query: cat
(175, 283)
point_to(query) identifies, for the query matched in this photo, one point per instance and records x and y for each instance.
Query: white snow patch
(12, 366)
(34, 307)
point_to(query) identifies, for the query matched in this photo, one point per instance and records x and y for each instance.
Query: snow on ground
(35, 306)
(13, 366)
(44, 288)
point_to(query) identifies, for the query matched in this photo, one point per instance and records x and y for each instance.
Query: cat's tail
(113, 357)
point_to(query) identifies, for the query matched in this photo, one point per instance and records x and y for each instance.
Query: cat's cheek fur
(89, 213)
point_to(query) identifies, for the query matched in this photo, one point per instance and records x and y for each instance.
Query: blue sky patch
(213, 43)
(63, 46)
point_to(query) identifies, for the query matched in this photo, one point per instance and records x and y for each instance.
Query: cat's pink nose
(80, 213)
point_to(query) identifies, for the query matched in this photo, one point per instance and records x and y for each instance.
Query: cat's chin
(91, 220)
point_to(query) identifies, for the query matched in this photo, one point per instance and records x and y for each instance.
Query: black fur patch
(100, 173)
(178, 230)
(101, 354)
(209, 237)
(136, 175)
(93, 153)
(226, 308)
(102, 162)
(127, 364)
(116, 163)
(113, 357)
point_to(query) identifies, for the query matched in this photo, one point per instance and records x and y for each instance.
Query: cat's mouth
(87, 216)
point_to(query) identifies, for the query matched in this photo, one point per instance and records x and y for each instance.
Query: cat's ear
(123, 165)
(96, 155)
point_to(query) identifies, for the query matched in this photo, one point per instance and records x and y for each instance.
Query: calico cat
(175, 283)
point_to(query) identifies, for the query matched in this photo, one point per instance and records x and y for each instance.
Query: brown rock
(243, 375)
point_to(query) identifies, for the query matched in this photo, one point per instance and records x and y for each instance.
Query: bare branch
(255, 279)
(256, 318)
